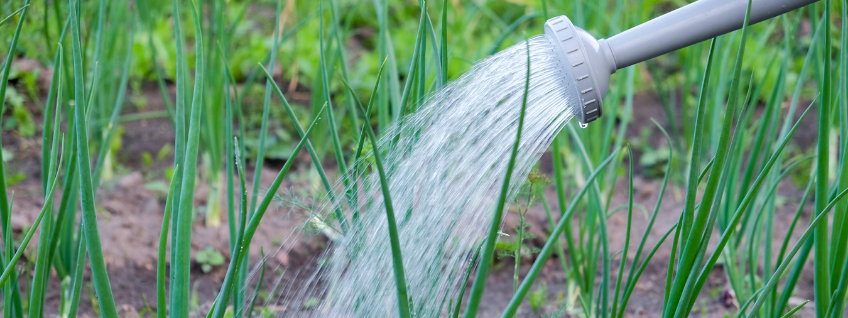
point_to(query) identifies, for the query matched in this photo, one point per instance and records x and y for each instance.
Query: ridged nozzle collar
(587, 61)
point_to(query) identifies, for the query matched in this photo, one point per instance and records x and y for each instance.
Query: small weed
(146, 159)
(311, 302)
(15, 178)
(209, 258)
(538, 297)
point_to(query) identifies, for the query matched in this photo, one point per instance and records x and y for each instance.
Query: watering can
(592, 61)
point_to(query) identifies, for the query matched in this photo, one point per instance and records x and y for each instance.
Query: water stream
(446, 164)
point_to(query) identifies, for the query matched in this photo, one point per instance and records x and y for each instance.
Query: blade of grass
(238, 300)
(397, 260)
(697, 148)
(789, 314)
(725, 237)
(13, 14)
(696, 234)
(443, 46)
(258, 286)
(161, 274)
(414, 69)
(747, 302)
(331, 117)
(794, 274)
(180, 127)
(821, 242)
(670, 114)
(421, 73)
(8, 307)
(97, 29)
(735, 273)
(839, 227)
(669, 278)
(316, 160)
(228, 136)
(4, 81)
(620, 119)
(239, 17)
(491, 238)
(263, 130)
(54, 90)
(46, 208)
(775, 98)
(772, 282)
(391, 93)
(547, 249)
(627, 231)
(78, 279)
(181, 257)
(362, 133)
(144, 11)
(757, 149)
(340, 57)
(67, 208)
(56, 86)
(89, 219)
(220, 309)
(255, 72)
(465, 279)
(629, 288)
(686, 217)
(247, 230)
(559, 249)
(794, 223)
(109, 134)
(631, 279)
(511, 28)
(574, 253)
(600, 249)
(43, 261)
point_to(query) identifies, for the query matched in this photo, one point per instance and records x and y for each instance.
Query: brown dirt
(716, 297)
(130, 219)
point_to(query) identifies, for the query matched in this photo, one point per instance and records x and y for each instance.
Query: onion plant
(725, 157)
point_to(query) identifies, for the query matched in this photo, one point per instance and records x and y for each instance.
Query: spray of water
(445, 163)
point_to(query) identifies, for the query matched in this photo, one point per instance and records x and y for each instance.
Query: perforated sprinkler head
(589, 61)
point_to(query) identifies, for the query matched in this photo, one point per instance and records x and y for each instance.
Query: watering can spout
(592, 61)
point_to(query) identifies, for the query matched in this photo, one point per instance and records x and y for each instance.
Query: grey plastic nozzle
(593, 61)
(588, 61)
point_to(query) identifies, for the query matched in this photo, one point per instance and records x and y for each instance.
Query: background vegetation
(265, 72)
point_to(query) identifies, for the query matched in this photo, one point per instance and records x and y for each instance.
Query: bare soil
(130, 218)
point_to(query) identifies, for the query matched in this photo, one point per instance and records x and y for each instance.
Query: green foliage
(738, 118)
(209, 258)
(21, 119)
(15, 178)
(538, 297)
(146, 159)
(311, 302)
(483, 271)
